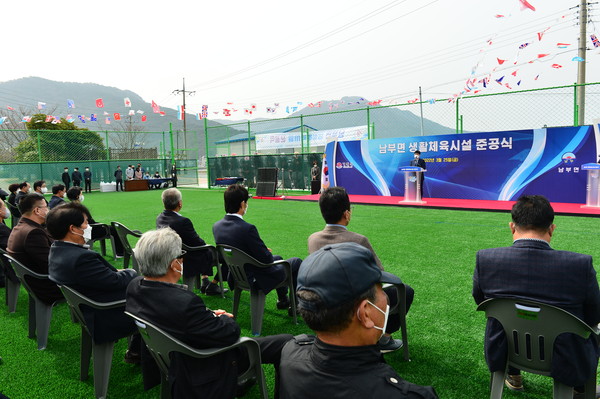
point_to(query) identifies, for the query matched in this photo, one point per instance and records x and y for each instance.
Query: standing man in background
(421, 164)
(129, 172)
(119, 177)
(76, 176)
(66, 179)
(87, 178)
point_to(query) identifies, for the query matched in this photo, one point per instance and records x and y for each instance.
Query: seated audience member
(75, 195)
(197, 262)
(23, 190)
(5, 270)
(233, 230)
(531, 269)
(337, 212)
(40, 188)
(147, 176)
(14, 189)
(29, 243)
(156, 175)
(58, 195)
(4, 194)
(341, 300)
(71, 263)
(158, 299)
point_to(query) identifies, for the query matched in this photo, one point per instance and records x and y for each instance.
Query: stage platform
(446, 203)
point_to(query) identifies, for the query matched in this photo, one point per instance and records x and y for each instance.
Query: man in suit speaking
(531, 269)
(418, 161)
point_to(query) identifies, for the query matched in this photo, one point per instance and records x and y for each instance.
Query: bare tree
(126, 134)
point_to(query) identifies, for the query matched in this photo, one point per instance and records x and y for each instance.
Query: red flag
(127, 102)
(525, 4)
(500, 62)
(155, 108)
(99, 103)
(514, 73)
(143, 118)
(8, 107)
(117, 116)
(556, 66)
(162, 113)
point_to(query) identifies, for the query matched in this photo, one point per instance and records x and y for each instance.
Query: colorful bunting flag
(41, 105)
(525, 5)
(131, 112)
(49, 118)
(522, 46)
(107, 120)
(556, 66)
(117, 116)
(595, 41)
(578, 59)
(155, 107)
(144, 118)
(70, 104)
(205, 111)
(99, 103)
(500, 62)
(562, 45)
(2, 119)
(180, 112)
(127, 102)
(198, 116)
(8, 107)
(93, 117)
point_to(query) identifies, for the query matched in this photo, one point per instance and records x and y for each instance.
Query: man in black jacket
(76, 176)
(197, 262)
(119, 178)
(66, 178)
(341, 299)
(158, 299)
(72, 264)
(87, 178)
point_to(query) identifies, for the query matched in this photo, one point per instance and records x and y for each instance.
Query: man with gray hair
(341, 299)
(197, 262)
(158, 299)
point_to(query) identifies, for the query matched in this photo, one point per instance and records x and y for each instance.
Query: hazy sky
(267, 52)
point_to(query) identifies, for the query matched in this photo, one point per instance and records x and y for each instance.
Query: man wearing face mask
(29, 243)
(87, 179)
(5, 269)
(58, 194)
(66, 178)
(40, 188)
(341, 299)
(71, 263)
(418, 161)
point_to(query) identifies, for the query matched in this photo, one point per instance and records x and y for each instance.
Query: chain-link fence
(31, 155)
(513, 110)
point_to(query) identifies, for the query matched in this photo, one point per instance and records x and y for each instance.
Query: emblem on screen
(568, 157)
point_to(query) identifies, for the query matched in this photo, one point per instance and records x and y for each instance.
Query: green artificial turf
(432, 250)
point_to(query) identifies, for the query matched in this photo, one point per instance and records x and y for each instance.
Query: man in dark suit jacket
(196, 262)
(158, 299)
(5, 269)
(531, 269)
(58, 194)
(76, 176)
(418, 161)
(23, 191)
(29, 243)
(73, 264)
(66, 178)
(235, 231)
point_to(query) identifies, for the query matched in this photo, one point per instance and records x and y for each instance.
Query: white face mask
(81, 198)
(44, 190)
(386, 314)
(7, 213)
(416, 156)
(87, 233)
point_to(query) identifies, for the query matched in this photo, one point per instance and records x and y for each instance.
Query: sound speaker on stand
(266, 183)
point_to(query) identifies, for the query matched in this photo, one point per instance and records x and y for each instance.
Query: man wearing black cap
(341, 299)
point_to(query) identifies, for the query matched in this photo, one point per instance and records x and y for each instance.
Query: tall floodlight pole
(583, 16)
(183, 91)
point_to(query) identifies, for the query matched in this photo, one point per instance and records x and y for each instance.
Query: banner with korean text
(272, 141)
(479, 166)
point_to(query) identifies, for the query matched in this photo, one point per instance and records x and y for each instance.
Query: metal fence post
(39, 143)
(368, 123)
(206, 153)
(457, 117)
(302, 135)
(172, 146)
(249, 141)
(107, 147)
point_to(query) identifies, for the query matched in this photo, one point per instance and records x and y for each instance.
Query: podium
(412, 184)
(592, 196)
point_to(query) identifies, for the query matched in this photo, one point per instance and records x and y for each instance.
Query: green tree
(59, 142)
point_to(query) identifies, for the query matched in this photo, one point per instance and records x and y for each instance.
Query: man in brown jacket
(29, 243)
(335, 208)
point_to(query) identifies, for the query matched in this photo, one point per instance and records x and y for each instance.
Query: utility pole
(583, 16)
(421, 106)
(183, 91)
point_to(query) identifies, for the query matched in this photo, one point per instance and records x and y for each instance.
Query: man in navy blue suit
(531, 269)
(233, 230)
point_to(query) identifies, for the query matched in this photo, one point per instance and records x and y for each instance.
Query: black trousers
(120, 182)
(88, 185)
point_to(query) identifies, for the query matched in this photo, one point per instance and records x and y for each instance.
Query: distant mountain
(24, 94)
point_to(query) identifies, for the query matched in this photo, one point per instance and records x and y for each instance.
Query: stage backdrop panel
(480, 166)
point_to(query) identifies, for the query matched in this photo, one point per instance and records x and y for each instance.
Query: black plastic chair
(400, 309)
(13, 285)
(123, 232)
(40, 313)
(235, 259)
(531, 328)
(14, 211)
(102, 353)
(161, 345)
(195, 280)
(101, 232)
